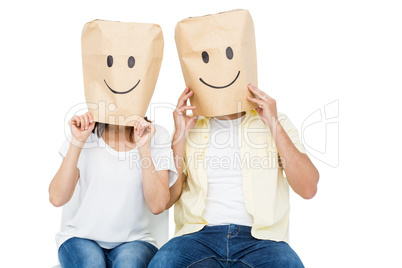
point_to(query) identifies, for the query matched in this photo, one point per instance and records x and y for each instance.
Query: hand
(143, 133)
(184, 123)
(267, 106)
(81, 127)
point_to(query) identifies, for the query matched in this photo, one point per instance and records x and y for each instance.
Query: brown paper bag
(218, 60)
(121, 63)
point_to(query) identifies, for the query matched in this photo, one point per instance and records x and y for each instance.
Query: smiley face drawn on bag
(217, 54)
(130, 63)
(120, 63)
(229, 56)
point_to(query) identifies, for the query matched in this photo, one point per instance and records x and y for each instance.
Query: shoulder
(283, 118)
(285, 122)
(161, 137)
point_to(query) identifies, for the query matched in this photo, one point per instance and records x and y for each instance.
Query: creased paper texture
(218, 59)
(121, 63)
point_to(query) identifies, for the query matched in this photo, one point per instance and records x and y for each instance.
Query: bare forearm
(63, 184)
(156, 192)
(178, 146)
(301, 173)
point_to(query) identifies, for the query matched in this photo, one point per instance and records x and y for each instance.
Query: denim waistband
(230, 229)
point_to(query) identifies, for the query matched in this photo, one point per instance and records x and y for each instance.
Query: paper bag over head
(121, 63)
(218, 60)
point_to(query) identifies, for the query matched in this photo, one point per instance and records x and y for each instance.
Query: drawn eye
(229, 53)
(131, 62)
(109, 61)
(205, 57)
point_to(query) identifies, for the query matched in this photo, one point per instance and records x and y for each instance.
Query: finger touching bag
(218, 59)
(121, 63)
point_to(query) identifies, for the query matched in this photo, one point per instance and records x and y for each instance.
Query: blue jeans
(224, 246)
(84, 253)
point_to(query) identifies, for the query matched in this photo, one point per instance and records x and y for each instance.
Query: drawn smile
(124, 92)
(205, 83)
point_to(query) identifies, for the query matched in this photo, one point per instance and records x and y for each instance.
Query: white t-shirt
(108, 205)
(225, 201)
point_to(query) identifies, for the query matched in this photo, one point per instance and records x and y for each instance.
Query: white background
(310, 53)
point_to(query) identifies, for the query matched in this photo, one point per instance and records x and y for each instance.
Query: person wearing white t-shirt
(115, 176)
(231, 199)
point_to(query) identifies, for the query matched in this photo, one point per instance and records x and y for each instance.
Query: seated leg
(81, 253)
(267, 253)
(184, 251)
(132, 254)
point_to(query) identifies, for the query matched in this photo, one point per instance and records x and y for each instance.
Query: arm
(183, 124)
(178, 146)
(301, 173)
(63, 184)
(155, 183)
